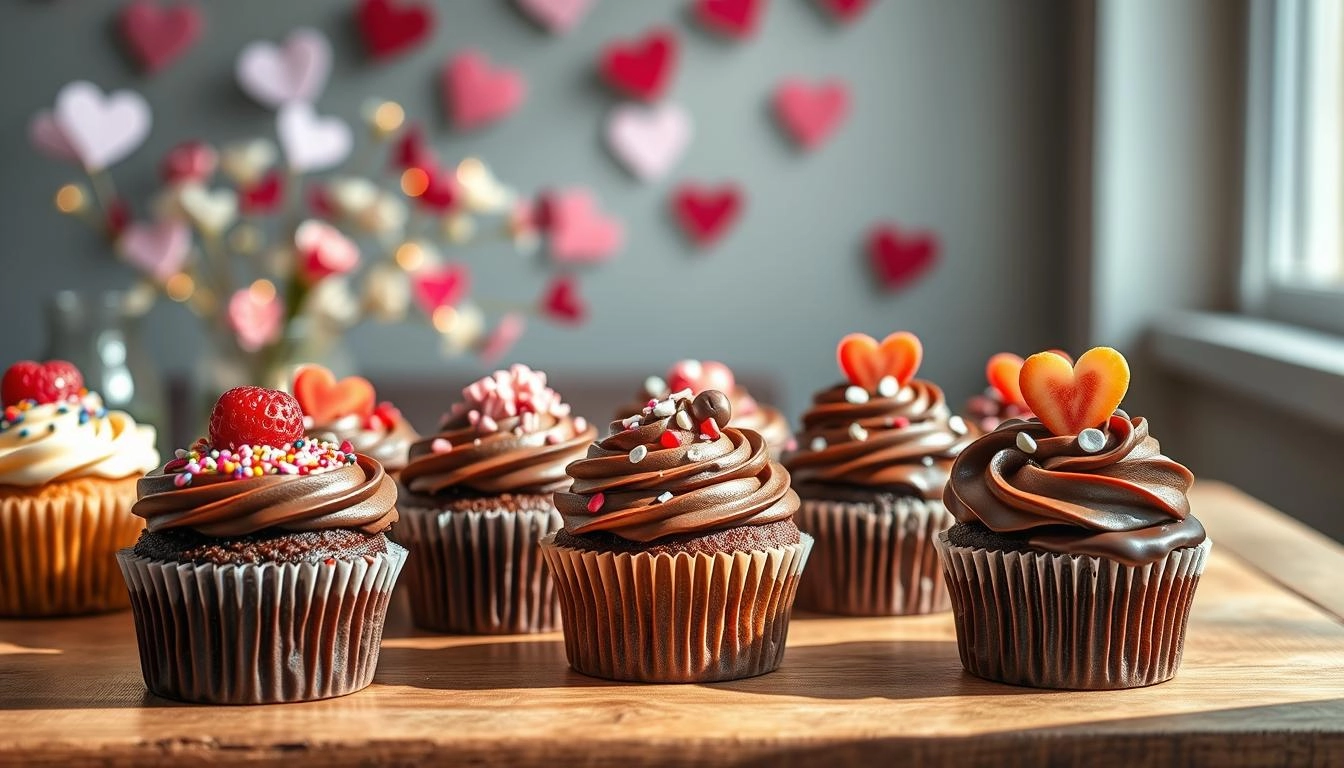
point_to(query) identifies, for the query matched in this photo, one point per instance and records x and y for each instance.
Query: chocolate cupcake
(348, 411)
(263, 574)
(679, 559)
(477, 497)
(694, 377)
(1075, 558)
(874, 455)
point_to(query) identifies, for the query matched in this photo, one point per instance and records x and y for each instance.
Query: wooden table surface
(1262, 683)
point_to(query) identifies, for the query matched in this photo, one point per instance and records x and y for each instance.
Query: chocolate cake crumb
(739, 539)
(267, 546)
(977, 536)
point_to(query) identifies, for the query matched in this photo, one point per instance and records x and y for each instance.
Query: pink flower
(323, 251)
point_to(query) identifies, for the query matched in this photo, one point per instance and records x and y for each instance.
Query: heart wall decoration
(555, 16)
(561, 302)
(706, 214)
(478, 93)
(810, 114)
(640, 69)
(736, 19)
(159, 250)
(899, 258)
(579, 232)
(648, 140)
(157, 36)
(389, 27)
(311, 142)
(97, 130)
(276, 75)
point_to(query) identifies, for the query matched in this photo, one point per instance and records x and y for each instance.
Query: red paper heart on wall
(190, 161)
(561, 301)
(412, 151)
(264, 196)
(477, 93)
(440, 287)
(843, 10)
(734, 18)
(440, 194)
(641, 68)
(897, 258)
(156, 36)
(810, 114)
(706, 214)
(389, 28)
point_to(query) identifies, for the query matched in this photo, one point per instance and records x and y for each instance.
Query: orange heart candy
(1068, 399)
(1002, 371)
(325, 399)
(865, 362)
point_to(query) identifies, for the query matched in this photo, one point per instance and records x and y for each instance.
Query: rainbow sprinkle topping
(16, 414)
(301, 457)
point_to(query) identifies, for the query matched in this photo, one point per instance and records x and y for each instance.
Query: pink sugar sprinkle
(595, 503)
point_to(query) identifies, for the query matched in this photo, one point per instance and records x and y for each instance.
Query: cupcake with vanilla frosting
(478, 495)
(349, 411)
(694, 377)
(68, 468)
(1075, 557)
(873, 456)
(264, 572)
(679, 558)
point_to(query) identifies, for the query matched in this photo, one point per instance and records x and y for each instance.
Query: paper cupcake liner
(874, 558)
(58, 547)
(479, 572)
(1069, 621)
(259, 634)
(676, 618)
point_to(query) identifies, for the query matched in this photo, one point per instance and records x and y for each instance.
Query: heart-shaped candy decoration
(158, 250)
(810, 114)
(157, 35)
(648, 140)
(1068, 399)
(706, 214)
(699, 376)
(642, 68)
(1002, 371)
(477, 93)
(900, 258)
(556, 16)
(865, 362)
(389, 28)
(278, 75)
(310, 142)
(101, 129)
(561, 301)
(325, 399)
(579, 232)
(440, 287)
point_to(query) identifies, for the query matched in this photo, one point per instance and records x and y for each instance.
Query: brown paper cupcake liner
(676, 618)
(1069, 621)
(479, 572)
(58, 546)
(259, 634)
(874, 558)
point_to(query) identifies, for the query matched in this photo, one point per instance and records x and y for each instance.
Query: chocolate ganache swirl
(1125, 501)
(357, 496)
(672, 470)
(511, 434)
(904, 443)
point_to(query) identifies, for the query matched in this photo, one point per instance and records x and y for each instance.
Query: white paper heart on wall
(99, 129)
(311, 142)
(46, 137)
(212, 212)
(159, 249)
(276, 75)
(648, 140)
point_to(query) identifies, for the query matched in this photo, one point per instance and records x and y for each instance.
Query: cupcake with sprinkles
(873, 457)
(694, 377)
(348, 410)
(1002, 399)
(478, 496)
(264, 571)
(1074, 558)
(679, 558)
(68, 469)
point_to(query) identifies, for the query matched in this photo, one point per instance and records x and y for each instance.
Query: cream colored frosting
(50, 443)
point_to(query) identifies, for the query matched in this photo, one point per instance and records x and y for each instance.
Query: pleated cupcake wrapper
(58, 553)
(874, 558)
(479, 572)
(260, 634)
(1069, 621)
(676, 618)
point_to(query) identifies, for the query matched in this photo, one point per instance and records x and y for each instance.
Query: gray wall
(958, 126)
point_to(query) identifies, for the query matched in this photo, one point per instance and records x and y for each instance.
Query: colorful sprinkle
(898, 422)
(1026, 443)
(856, 395)
(302, 457)
(684, 421)
(669, 439)
(664, 497)
(596, 501)
(638, 453)
(710, 428)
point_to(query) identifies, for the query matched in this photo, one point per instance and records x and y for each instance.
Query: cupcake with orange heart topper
(873, 457)
(1075, 558)
(348, 410)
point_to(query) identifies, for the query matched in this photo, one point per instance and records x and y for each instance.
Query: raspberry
(49, 382)
(255, 416)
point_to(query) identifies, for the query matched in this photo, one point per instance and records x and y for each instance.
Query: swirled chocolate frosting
(904, 443)
(748, 413)
(1126, 501)
(672, 471)
(510, 434)
(357, 496)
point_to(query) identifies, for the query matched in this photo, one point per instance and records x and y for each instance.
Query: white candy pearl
(857, 432)
(1026, 443)
(888, 386)
(856, 395)
(638, 453)
(1091, 440)
(655, 386)
(818, 443)
(957, 424)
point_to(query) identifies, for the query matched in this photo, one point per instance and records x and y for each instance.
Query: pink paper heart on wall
(556, 16)
(900, 258)
(810, 114)
(156, 36)
(159, 250)
(311, 142)
(276, 75)
(648, 140)
(441, 287)
(255, 319)
(323, 250)
(101, 129)
(579, 233)
(561, 301)
(477, 93)
(46, 137)
(189, 162)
